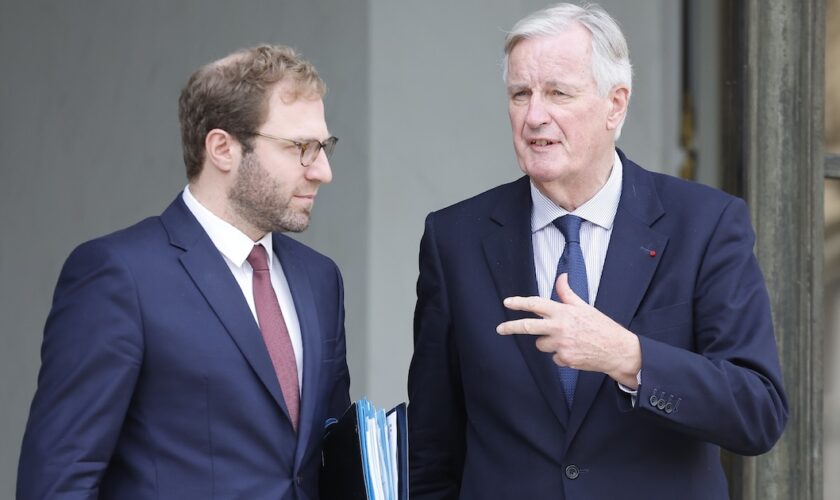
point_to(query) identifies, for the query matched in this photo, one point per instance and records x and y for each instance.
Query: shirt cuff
(632, 392)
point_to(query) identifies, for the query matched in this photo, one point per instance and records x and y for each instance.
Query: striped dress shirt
(598, 215)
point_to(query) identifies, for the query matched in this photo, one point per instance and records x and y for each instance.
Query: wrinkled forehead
(567, 54)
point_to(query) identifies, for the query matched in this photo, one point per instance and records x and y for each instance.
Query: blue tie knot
(569, 225)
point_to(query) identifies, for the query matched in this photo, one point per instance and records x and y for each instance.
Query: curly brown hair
(232, 94)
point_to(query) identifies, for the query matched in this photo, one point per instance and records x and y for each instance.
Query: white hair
(610, 56)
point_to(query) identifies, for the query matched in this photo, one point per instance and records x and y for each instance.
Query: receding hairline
(229, 59)
(312, 87)
(289, 92)
(512, 41)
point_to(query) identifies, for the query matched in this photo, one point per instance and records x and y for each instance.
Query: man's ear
(222, 150)
(619, 98)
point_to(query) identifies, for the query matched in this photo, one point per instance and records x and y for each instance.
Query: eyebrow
(549, 83)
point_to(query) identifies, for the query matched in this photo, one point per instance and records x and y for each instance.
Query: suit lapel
(213, 278)
(510, 256)
(310, 331)
(628, 269)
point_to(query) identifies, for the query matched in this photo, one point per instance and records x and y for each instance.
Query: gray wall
(89, 142)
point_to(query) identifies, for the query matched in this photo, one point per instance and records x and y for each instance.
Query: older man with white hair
(592, 330)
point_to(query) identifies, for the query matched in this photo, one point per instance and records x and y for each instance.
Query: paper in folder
(365, 454)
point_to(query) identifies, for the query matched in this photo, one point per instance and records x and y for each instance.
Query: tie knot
(258, 258)
(569, 225)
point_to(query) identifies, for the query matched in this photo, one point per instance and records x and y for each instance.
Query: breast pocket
(666, 323)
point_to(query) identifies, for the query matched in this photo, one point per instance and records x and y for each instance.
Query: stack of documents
(365, 454)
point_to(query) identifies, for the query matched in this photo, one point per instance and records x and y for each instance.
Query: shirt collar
(230, 241)
(599, 210)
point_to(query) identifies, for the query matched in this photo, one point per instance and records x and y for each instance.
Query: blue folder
(348, 462)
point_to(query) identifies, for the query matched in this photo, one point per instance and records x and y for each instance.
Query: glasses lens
(309, 151)
(329, 146)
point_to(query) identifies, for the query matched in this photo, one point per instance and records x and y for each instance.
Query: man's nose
(320, 170)
(537, 114)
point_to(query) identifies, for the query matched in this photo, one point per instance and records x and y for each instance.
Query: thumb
(565, 292)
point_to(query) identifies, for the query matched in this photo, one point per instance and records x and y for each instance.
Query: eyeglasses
(308, 150)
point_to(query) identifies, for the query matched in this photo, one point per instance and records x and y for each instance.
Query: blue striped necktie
(571, 262)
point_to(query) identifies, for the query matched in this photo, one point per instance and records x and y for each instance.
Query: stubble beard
(262, 202)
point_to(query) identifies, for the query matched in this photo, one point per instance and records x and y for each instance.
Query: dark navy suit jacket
(487, 416)
(155, 381)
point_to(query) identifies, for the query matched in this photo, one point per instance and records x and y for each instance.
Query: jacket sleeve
(727, 389)
(436, 415)
(90, 358)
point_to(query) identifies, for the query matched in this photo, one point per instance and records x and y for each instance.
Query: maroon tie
(274, 332)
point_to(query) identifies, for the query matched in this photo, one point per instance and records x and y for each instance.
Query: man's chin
(294, 224)
(296, 229)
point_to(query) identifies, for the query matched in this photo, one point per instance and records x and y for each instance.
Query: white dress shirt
(235, 246)
(598, 215)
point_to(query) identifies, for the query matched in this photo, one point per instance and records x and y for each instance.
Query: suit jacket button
(669, 407)
(299, 480)
(572, 472)
(654, 400)
(661, 404)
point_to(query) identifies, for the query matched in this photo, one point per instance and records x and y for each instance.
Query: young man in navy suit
(592, 330)
(197, 354)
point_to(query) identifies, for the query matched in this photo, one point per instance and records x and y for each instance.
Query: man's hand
(578, 335)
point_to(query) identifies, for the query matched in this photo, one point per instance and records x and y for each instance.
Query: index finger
(540, 306)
